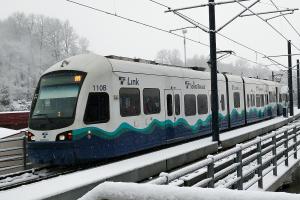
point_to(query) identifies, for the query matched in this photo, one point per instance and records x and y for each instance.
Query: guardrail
(13, 154)
(272, 150)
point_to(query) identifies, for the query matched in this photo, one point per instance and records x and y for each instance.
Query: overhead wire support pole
(191, 21)
(270, 12)
(281, 15)
(213, 72)
(290, 79)
(202, 5)
(238, 15)
(179, 29)
(295, 54)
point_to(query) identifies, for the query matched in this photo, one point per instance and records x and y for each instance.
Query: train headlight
(61, 137)
(66, 136)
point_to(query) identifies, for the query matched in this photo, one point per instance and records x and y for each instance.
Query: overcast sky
(111, 35)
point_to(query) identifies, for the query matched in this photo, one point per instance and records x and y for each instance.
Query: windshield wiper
(43, 114)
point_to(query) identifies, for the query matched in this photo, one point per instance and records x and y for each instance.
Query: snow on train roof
(160, 70)
(91, 62)
(259, 81)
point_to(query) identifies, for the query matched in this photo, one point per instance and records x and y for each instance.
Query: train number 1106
(99, 88)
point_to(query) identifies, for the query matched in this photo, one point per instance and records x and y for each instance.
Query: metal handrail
(286, 137)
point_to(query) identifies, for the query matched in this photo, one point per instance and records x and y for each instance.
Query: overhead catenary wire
(202, 26)
(286, 19)
(135, 21)
(269, 25)
(153, 27)
(281, 7)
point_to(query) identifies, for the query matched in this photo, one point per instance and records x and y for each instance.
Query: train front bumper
(57, 153)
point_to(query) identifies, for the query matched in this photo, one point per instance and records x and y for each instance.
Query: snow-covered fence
(13, 154)
(134, 191)
(267, 153)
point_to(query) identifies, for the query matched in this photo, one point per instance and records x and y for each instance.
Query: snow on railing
(134, 191)
(239, 167)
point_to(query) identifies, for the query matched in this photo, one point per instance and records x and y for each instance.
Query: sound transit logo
(129, 81)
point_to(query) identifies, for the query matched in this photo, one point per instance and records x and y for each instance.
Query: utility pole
(290, 79)
(213, 73)
(298, 84)
(184, 31)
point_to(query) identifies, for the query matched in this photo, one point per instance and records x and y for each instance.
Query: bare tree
(83, 45)
(29, 44)
(171, 57)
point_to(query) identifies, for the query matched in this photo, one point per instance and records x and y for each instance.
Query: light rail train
(89, 107)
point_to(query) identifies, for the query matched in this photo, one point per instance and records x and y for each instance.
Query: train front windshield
(54, 103)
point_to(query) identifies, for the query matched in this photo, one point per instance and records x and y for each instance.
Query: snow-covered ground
(133, 191)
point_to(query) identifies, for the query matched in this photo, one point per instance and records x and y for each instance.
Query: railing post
(286, 146)
(274, 153)
(24, 152)
(259, 162)
(239, 171)
(165, 176)
(295, 142)
(211, 171)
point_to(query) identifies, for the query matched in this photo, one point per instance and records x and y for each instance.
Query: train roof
(80, 62)
(159, 70)
(90, 63)
(259, 81)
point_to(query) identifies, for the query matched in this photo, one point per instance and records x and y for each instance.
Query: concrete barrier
(133, 191)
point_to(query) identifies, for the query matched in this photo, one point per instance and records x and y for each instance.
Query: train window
(190, 104)
(248, 100)
(130, 103)
(177, 104)
(97, 108)
(267, 99)
(151, 99)
(169, 105)
(262, 103)
(202, 104)
(258, 100)
(222, 102)
(236, 100)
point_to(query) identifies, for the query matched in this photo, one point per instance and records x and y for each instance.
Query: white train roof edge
(90, 63)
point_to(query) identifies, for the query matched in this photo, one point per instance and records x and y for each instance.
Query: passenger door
(223, 118)
(173, 112)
